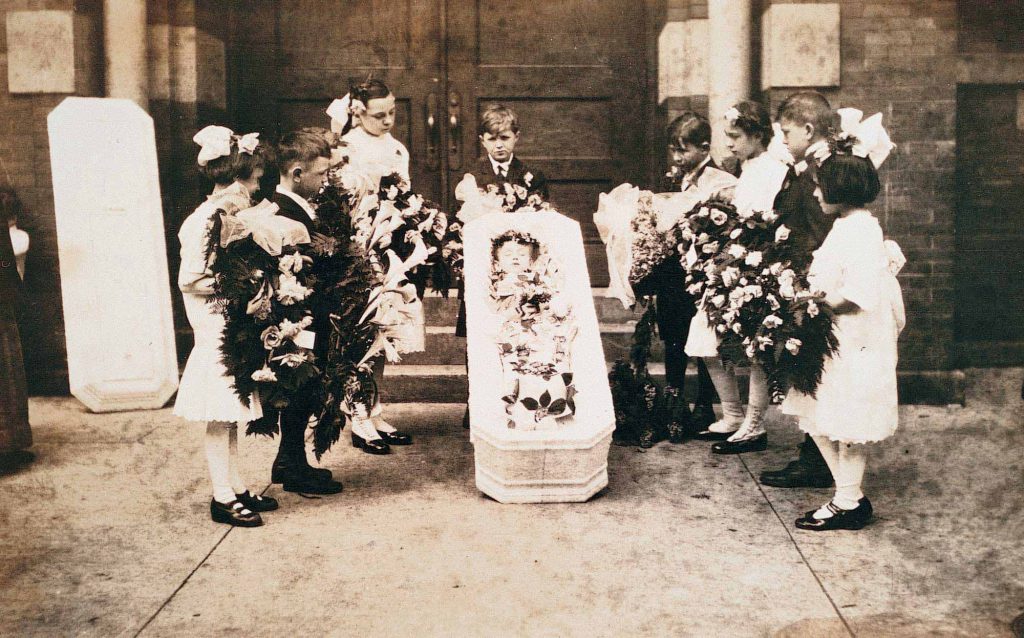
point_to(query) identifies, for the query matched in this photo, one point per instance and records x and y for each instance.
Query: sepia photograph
(562, 318)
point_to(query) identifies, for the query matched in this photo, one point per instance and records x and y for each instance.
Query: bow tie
(501, 169)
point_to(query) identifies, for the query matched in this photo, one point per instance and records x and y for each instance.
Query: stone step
(440, 311)
(444, 348)
(405, 383)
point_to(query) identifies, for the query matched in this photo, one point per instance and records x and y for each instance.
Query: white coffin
(568, 463)
(113, 258)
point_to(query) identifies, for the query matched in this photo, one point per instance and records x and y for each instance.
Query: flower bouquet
(762, 308)
(263, 284)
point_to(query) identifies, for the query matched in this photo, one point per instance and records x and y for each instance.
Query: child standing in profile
(748, 133)
(856, 402)
(206, 394)
(365, 117)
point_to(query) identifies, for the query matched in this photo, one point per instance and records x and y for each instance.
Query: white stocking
(216, 443)
(853, 458)
(725, 384)
(234, 475)
(753, 423)
(362, 424)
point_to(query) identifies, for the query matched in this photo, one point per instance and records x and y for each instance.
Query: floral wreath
(516, 236)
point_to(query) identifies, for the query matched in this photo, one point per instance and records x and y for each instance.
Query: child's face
(797, 136)
(743, 145)
(828, 209)
(687, 156)
(514, 258)
(380, 115)
(500, 144)
(307, 178)
(253, 183)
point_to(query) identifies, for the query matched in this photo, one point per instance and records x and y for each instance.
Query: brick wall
(25, 160)
(900, 58)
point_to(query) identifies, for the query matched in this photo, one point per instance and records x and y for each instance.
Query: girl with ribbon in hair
(749, 136)
(855, 272)
(364, 119)
(235, 165)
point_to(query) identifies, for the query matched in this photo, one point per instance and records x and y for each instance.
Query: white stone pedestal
(565, 463)
(113, 258)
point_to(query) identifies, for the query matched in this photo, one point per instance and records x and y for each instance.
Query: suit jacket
(291, 210)
(517, 170)
(801, 212)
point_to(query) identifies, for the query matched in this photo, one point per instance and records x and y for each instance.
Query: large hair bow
(342, 109)
(869, 137)
(214, 142)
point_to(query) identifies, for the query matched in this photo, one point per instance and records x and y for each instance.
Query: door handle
(454, 130)
(433, 131)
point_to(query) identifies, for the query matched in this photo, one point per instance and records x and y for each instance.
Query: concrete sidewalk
(108, 534)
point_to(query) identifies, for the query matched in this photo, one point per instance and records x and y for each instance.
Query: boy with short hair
(499, 134)
(807, 121)
(304, 158)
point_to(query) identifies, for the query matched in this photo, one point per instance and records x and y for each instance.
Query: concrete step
(444, 348)
(440, 311)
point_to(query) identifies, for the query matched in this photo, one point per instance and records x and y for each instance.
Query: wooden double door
(575, 71)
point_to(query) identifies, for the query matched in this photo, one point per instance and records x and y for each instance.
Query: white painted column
(125, 45)
(729, 62)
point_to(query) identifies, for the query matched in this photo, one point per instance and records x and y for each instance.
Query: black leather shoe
(702, 416)
(256, 502)
(758, 443)
(371, 446)
(796, 474)
(395, 438)
(282, 466)
(708, 435)
(840, 519)
(234, 513)
(305, 485)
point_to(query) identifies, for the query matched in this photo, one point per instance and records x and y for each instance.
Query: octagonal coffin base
(552, 466)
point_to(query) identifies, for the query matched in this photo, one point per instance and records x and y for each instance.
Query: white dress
(856, 401)
(376, 156)
(206, 392)
(759, 183)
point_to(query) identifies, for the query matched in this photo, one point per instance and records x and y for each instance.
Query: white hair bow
(248, 143)
(214, 142)
(870, 138)
(342, 109)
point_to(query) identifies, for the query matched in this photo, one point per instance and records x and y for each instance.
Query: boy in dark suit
(499, 134)
(304, 158)
(807, 121)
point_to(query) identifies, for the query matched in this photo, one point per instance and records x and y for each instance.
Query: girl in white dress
(748, 135)
(364, 118)
(205, 394)
(856, 402)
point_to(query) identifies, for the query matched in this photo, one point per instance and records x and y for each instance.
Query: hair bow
(342, 109)
(869, 137)
(732, 115)
(248, 143)
(214, 142)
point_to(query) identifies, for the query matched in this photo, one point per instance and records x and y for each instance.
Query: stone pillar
(729, 62)
(124, 40)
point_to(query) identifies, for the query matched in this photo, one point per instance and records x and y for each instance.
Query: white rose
(793, 345)
(754, 258)
(710, 248)
(718, 300)
(737, 328)
(812, 310)
(730, 275)
(772, 321)
(719, 217)
(781, 233)
(736, 233)
(737, 251)
(769, 216)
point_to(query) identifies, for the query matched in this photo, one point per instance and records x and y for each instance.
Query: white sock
(216, 443)
(724, 381)
(853, 458)
(362, 425)
(234, 476)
